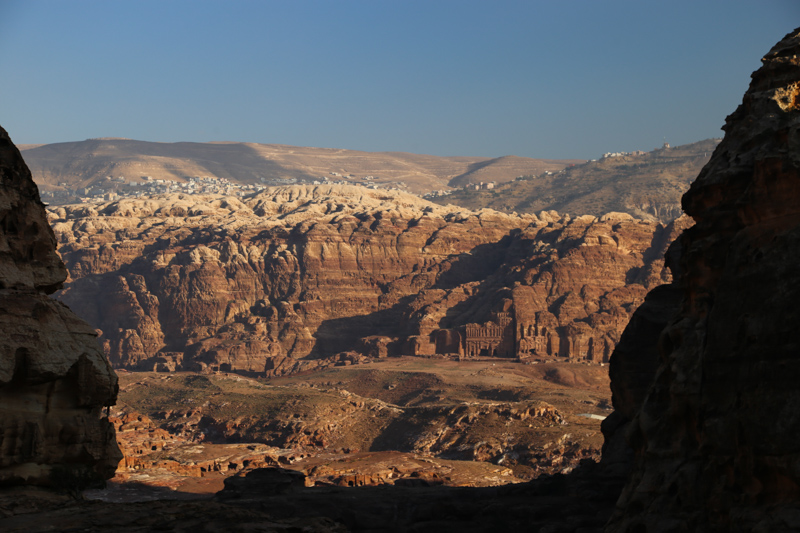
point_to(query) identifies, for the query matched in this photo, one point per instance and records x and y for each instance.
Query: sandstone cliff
(54, 379)
(715, 436)
(258, 283)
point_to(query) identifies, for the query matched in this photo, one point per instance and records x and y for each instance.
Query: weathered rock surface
(461, 411)
(54, 378)
(715, 437)
(156, 458)
(256, 284)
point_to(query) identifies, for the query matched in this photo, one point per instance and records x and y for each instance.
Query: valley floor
(398, 444)
(394, 421)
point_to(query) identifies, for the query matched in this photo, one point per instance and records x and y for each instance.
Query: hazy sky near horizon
(550, 79)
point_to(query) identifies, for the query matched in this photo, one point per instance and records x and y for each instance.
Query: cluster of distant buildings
(436, 194)
(341, 178)
(480, 186)
(606, 155)
(623, 154)
(113, 188)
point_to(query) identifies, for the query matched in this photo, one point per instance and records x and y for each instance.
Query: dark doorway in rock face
(21, 365)
(484, 352)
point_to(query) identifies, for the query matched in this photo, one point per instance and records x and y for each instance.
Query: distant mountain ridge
(646, 185)
(74, 165)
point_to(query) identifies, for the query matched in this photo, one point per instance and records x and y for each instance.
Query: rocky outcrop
(256, 284)
(162, 413)
(562, 290)
(715, 436)
(54, 379)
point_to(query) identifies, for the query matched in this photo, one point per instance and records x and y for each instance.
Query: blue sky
(553, 79)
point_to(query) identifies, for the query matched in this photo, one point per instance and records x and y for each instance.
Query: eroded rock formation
(256, 284)
(563, 289)
(54, 378)
(715, 436)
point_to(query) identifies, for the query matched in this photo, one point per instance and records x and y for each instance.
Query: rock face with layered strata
(715, 436)
(54, 378)
(282, 279)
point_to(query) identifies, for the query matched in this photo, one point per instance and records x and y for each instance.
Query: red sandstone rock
(283, 280)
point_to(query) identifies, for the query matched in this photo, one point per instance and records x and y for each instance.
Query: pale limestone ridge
(275, 206)
(288, 206)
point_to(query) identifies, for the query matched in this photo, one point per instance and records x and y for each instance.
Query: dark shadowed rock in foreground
(54, 379)
(715, 438)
